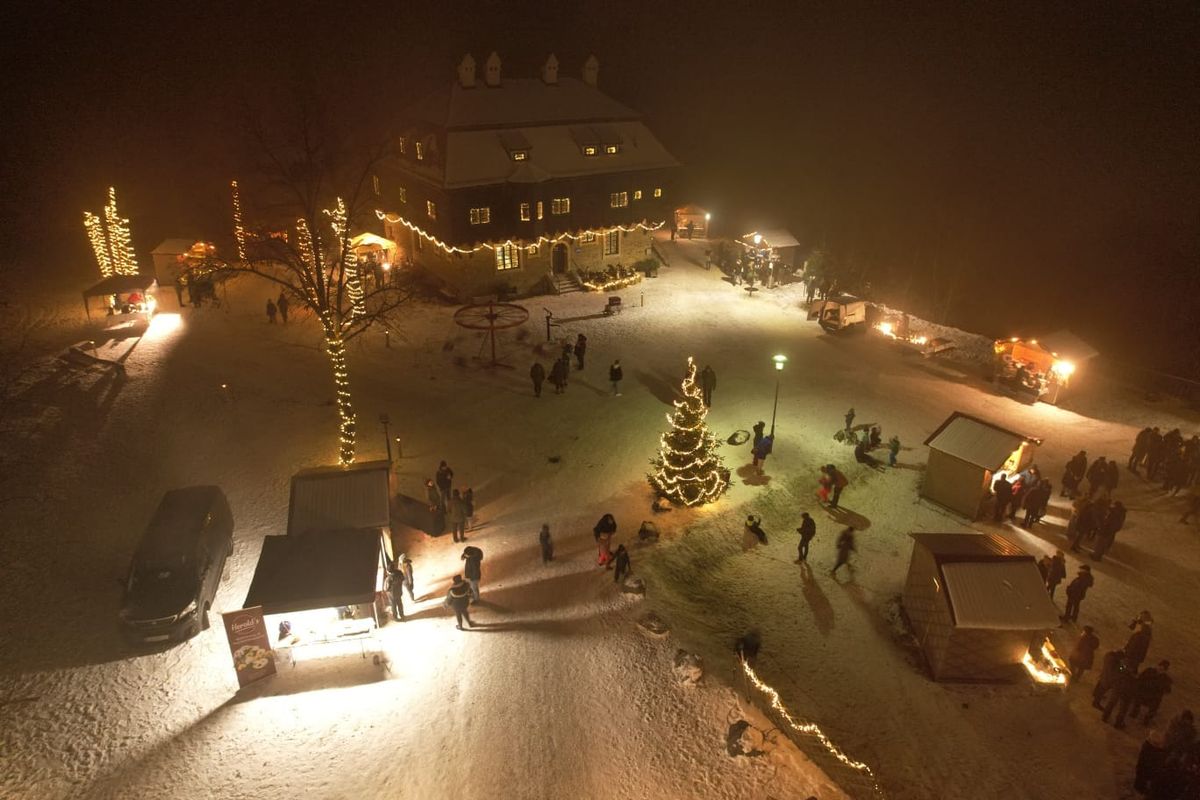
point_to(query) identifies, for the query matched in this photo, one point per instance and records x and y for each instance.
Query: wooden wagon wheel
(491, 317)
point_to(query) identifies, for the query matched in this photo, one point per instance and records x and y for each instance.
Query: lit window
(612, 149)
(403, 195)
(420, 151)
(520, 155)
(375, 183)
(524, 212)
(637, 194)
(560, 205)
(403, 145)
(508, 256)
(539, 209)
(589, 150)
(589, 237)
(612, 243)
(431, 209)
(658, 192)
(481, 216)
(533, 250)
(618, 199)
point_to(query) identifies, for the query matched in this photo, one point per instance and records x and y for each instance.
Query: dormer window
(420, 148)
(516, 145)
(590, 150)
(520, 155)
(612, 149)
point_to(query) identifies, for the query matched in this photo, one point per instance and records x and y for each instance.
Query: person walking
(558, 377)
(1003, 491)
(546, 544)
(807, 531)
(456, 516)
(271, 310)
(1153, 684)
(621, 566)
(283, 305)
(893, 450)
(459, 599)
(395, 590)
(580, 349)
(603, 532)
(473, 569)
(615, 374)
(708, 382)
(838, 481)
(1076, 591)
(758, 429)
(1057, 573)
(1110, 665)
(850, 419)
(444, 478)
(406, 572)
(845, 546)
(754, 528)
(762, 450)
(537, 374)
(1083, 654)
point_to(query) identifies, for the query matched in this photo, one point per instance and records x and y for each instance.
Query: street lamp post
(384, 420)
(707, 225)
(779, 360)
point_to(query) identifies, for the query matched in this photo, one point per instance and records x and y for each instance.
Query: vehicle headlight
(191, 609)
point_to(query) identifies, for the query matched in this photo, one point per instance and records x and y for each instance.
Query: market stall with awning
(376, 256)
(1040, 368)
(123, 294)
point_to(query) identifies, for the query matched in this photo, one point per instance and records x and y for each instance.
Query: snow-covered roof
(976, 441)
(120, 284)
(966, 546)
(773, 237)
(517, 102)
(340, 498)
(481, 157)
(298, 573)
(173, 247)
(1006, 594)
(1067, 345)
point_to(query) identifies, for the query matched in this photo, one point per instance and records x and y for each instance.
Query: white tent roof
(999, 595)
(173, 247)
(368, 239)
(975, 441)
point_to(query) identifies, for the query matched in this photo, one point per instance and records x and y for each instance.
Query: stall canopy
(340, 498)
(368, 241)
(977, 603)
(774, 238)
(964, 453)
(117, 284)
(300, 573)
(695, 215)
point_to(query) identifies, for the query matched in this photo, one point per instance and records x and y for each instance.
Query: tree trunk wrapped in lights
(688, 470)
(335, 348)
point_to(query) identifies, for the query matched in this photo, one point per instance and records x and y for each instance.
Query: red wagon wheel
(491, 317)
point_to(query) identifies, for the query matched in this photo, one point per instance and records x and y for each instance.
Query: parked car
(177, 566)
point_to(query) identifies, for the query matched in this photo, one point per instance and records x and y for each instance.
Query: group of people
(278, 306)
(1026, 490)
(560, 371)
(1167, 457)
(450, 507)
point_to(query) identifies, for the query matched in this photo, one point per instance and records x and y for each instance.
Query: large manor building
(502, 185)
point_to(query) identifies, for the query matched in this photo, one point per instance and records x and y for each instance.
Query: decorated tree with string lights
(688, 471)
(314, 197)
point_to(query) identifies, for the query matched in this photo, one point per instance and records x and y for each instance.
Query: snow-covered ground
(561, 694)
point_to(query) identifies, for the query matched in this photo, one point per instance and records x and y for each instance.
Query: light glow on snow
(163, 325)
(806, 728)
(1040, 674)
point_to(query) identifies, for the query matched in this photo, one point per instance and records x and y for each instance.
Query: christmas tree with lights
(688, 470)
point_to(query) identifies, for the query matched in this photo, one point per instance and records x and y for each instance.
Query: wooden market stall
(966, 454)
(1041, 368)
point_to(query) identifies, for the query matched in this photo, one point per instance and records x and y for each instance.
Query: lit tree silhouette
(688, 469)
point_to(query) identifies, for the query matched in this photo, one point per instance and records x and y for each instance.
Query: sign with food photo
(249, 644)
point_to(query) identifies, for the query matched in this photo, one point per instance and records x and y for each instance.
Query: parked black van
(177, 567)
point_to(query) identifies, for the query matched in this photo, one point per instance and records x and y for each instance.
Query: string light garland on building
(239, 231)
(95, 231)
(804, 728)
(688, 469)
(614, 284)
(341, 228)
(529, 248)
(124, 260)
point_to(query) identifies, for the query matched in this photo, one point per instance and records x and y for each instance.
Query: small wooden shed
(966, 454)
(977, 604)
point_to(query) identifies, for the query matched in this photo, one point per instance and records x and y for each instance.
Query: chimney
(491, 70)
(550, 71)
(466, 72)
(591, 68)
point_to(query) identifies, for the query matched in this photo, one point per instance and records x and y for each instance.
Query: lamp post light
(779, 360)
(707, 225)
(384, 420)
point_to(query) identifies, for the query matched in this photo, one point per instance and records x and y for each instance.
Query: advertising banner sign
(249, 644)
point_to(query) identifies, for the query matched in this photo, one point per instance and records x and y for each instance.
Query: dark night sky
(1046, 154)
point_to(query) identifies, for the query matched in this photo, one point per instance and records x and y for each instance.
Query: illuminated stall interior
(966, 455)
(1042, 368)
(122, 294)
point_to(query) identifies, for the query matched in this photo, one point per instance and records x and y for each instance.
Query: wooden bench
(613, 306)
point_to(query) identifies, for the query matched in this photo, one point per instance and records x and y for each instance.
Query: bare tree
(314, 200)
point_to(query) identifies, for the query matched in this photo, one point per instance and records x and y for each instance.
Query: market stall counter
(320, 591)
